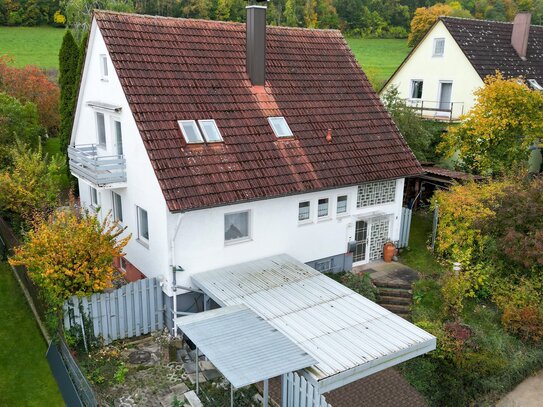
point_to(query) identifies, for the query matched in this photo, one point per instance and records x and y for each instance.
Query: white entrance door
(445, 95)
(370, 237)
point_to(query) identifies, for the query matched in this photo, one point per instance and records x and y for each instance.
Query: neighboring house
(212, 151)
(441, 73)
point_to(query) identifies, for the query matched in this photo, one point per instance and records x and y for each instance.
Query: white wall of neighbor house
(452, 66)
(142, 187)
(274, 228)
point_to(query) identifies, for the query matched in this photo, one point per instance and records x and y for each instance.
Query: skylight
(280, 126)
(190, 131)
(535, 85)
(210, 130)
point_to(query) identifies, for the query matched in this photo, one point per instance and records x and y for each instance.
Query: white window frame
(113, 120)
(104, 67)
(327, 216)
(196, 128)
(413, 88)
(249, 228)
(142, 239)
(98, 141)
(272, 120)
(434, 47)
(114, 207)
(309, 218)
(121, 261)
(206, 135)
(340, 214)
(94, 203)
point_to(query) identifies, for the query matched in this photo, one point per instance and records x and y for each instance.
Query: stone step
(394, 292)
(384, 299)
(193, 399)
(386, 284)
(407, 317)
(397, 309)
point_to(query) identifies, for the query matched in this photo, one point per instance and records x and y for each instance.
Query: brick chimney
(521, 31)
(256, 44)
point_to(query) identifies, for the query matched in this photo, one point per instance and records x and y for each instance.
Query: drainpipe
(174, 272)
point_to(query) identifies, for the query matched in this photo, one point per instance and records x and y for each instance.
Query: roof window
(190, 131)
(534, 84)
(210, 130)
(280, 126)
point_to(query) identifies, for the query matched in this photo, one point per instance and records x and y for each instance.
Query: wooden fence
(405, 227)
(298, 392)
(134, 309)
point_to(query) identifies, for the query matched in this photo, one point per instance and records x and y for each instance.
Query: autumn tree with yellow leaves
(496, 135)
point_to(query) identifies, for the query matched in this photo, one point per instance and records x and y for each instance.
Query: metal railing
(432, 109)
(99, 169)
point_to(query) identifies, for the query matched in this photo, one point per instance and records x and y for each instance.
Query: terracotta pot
(388, 252)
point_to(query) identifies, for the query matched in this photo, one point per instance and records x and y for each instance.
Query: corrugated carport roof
(243, 346)
(350, 336)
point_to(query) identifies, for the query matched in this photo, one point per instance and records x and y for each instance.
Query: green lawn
(25, 377)
(379, 57)
(32, 45)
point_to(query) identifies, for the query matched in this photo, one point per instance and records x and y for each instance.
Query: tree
(497, 133)
(17, 121)
(32, 184)
(425, 17)
(291, 18)
(327, 13)
(31, 84)
(68, 59)
(411, 126)
(70, 253)
(223, 10)
(310, 14)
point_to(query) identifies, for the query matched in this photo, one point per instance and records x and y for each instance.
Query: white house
(212, 152)
(440, 75)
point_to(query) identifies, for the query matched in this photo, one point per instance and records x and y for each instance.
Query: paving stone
(167, 400)
(206, 365)
(211, 374)
(181, 355)
(193, 399)
(192, 354)
(192, 378)
(180, 388)
(190, 367)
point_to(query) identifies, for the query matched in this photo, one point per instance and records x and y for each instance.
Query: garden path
(529, 393)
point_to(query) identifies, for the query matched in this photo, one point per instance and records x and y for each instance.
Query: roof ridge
(203, 20)
(482, 20)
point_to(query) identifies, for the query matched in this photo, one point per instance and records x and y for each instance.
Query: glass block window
(341, 204)
(322, 210)
(304, 210)
(236, 226)
(439, 47)
(376, 193)
(378, 237)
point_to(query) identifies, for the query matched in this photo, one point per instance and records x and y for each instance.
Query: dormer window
(190, 131)
(210, 130)
(280, 127)
(103, 66)
(439, 47)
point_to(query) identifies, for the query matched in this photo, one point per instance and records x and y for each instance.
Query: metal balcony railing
(97, 169)
(432, 109)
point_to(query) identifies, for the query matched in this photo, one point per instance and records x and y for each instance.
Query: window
(118, 137)
(143, 225)
(210, 130)
(94, 197)
(322, 208)
(416, 89)
(103, 66)
(304, 210)
(376, 193)
(280, 126)
(101, 129)
(439, 47)
(324, 266)
(341, 204)
(190, 131)
(236, 226)
(122, 264)
(534, 84)
(117, 207)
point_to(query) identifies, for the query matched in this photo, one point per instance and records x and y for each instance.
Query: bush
(360, 283)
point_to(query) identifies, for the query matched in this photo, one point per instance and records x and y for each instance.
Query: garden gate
(405, 227)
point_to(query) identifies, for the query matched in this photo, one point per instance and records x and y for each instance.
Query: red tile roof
(174, 69)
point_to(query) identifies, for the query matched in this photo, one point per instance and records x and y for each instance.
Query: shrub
(360, 283)
(525, 323)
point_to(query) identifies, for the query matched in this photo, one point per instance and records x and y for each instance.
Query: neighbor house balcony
(437, 110)
(104, 171)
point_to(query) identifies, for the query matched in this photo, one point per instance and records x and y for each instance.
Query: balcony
(436, 110)
(101, 170)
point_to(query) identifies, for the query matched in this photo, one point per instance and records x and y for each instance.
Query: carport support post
(197, 371)
(231, 395)
(266, 391)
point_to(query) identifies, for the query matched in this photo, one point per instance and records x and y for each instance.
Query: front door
(361, 238)
(445, 95)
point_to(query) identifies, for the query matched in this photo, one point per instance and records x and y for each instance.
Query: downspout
(174, 272)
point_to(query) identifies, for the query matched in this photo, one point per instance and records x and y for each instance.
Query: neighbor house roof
(487, 45)
(177, 69)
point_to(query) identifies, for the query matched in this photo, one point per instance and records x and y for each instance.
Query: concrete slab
(193, 399)
(211, 374)
(527, 394)
(392, 273)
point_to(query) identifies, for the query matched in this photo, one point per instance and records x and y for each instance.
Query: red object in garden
(388, 252)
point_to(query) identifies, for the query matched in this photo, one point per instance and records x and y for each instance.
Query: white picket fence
(298, 392)
(405, 227)
(134, 309)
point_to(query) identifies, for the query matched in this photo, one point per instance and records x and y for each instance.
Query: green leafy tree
(68, 80)
(327, 13)
(223, 10)
(496, 135)
(291, 18)
(310, 14)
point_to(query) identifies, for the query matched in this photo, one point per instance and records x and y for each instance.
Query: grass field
(32, 45)
(379, 57)
(25, 377)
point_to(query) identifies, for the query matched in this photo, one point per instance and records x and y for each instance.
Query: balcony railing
(97, 169)
(432, 109)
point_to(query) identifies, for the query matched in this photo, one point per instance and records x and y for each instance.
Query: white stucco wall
(452, 66)
(142, 186)
(200, 245)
